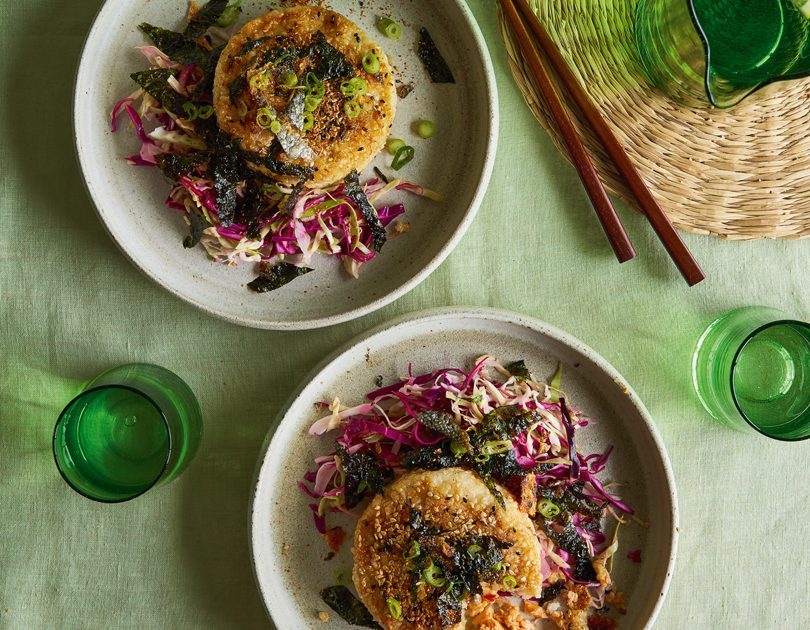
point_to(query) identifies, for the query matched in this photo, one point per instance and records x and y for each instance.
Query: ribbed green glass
(720, 51)
(751, 370)
(132, 428)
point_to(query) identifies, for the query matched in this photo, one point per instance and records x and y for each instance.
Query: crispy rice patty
(455, 501)
(341, 144)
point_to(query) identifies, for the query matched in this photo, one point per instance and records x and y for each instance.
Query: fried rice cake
(347, 130)
(456, 507)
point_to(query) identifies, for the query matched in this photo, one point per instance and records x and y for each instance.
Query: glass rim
(737, 353)
(707, 82)
(97, 388)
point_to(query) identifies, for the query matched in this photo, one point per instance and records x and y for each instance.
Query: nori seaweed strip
(272, 277)
(226, 171)
(156, 82)
(177, 165)
(519, 370)
(251, 45)
(237, 87)
(196, 226)
(248, 208)
(381, 175)
(345, 604)
(278, 167)
(205, 18)
(332, 64)
(295, 193)
(175, 45)
(432, 59)
(354, 191)
(361, 473)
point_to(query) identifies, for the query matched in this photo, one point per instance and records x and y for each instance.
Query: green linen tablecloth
(71, 305)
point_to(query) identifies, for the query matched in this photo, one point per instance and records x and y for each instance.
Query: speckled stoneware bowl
(288, 553)
(456, 162)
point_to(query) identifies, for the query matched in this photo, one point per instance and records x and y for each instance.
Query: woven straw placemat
(739, 174)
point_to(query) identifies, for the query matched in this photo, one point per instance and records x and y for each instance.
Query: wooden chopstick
(678, 251)
(605, 211)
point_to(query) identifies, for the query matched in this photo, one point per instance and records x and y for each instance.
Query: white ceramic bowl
(456, 162)
(287, 550)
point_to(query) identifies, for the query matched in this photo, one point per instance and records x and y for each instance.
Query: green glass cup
(133, 427)
(720, 51)
(751, 370)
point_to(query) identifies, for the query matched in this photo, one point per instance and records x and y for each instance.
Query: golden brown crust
(453, 500)
(340, 144)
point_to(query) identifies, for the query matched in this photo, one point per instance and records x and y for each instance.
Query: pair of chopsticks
(518, 14)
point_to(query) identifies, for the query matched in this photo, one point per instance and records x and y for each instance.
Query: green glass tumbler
(132, 428)
(751, 370)
(720, 51)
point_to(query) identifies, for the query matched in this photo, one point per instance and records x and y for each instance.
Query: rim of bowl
(479, 313)
(492, 118)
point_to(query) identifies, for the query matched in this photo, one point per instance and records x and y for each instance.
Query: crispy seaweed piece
(176, 165)
(361, 472)
(470, 569)
(570, 540)
(442, 423)
(209, 13)
(344, 603)
(279, 167)
(272, 277)
(505, 423)
(156, 82)
(434, 457)
(432, 59)
(354, 191)
(251, 45)
(332, 64)
(249, 208)
(225, 170)
(177, 46)
(519, 370)
(196, 226)
(237, 88)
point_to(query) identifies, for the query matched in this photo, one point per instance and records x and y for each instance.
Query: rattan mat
(739, 174)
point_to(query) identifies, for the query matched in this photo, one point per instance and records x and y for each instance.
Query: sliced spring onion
(275, 126)
(288, 80)
(413, 550)
(424, 128)
(394, 145)
(309, 122)
(457, 448)
(474, 549)
(394, 608)
(205, 111)
(402, 157)
(433, 575)
(496, 447)
(352, 108)
(265, 118)
(230, 14)
(311, 103)
(389, 28)
(354, 87)
(482, 457)
(371, 63)
(259, 81)
(509, 582)
(191, 110)
(314, 84)
(547, 508)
